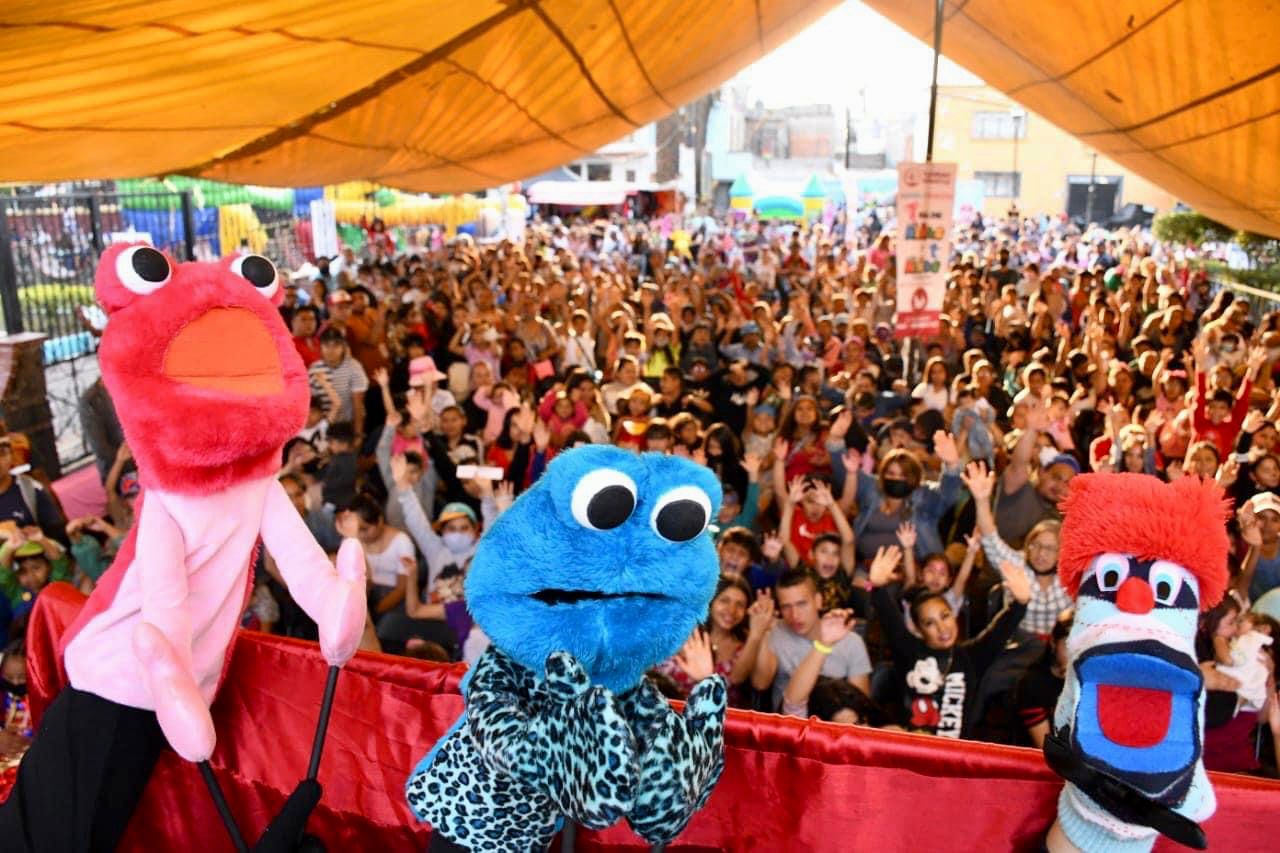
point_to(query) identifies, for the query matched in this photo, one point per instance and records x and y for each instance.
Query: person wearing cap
(662, 350)
(29, 560)
(750, 349)
(339, 310)
(24, 502)
(578, 344)
(1260, 529)
(448, 545)
(633, 421)
(425, 377)
(346, 377)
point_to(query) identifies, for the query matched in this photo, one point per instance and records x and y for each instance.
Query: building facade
(1021, 158)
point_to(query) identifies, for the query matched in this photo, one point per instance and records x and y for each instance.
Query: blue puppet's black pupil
(150, 265)
(610, 506)
(680, 521)
(258, 271)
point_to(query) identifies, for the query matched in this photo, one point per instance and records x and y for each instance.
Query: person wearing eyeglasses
(1038, 557)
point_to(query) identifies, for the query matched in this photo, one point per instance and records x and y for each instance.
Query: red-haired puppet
(208, 387)
(1143, 558)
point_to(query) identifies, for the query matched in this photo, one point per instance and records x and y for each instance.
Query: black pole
(95, 222)
(568, 837)
(9, 278)
(322, 725)
(188, 226)
(224, 810)
(1088, 205)
(933, 88)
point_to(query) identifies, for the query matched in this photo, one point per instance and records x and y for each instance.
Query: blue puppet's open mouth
(576, 596)
(1138, 707)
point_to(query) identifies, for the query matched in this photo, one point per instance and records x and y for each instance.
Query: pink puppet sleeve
(162, 641)
(334, 598)
(161, 563)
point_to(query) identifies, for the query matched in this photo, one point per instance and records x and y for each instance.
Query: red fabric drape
(788, 784)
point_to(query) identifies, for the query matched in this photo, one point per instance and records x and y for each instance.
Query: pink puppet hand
(343, 625)
(180, 708)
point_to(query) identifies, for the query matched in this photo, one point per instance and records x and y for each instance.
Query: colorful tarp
(1184, 92)
(428, 96)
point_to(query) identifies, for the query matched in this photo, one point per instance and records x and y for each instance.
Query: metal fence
(49, 249)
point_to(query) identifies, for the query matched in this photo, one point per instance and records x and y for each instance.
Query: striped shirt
(1045, 604)
(348, 378)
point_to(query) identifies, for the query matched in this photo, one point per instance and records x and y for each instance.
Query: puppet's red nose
(1135, 596)
(225, 349)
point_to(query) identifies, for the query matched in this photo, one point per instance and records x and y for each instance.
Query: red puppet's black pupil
(150, 265)
(258, 270)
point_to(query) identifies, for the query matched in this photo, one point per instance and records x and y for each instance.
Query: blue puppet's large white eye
(1166, 580)
(681, 514)
(603, 499)
(1110, 570)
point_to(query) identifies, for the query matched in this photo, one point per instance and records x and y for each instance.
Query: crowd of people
(889, 533)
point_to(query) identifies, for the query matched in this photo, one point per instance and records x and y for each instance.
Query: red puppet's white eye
(143, 269)
(259, 272)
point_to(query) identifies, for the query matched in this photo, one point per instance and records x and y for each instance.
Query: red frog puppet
(208, 387)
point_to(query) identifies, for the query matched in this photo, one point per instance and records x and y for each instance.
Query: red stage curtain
(788, 784)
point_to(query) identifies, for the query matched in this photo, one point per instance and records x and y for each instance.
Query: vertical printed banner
(926, 197)
(324, 229)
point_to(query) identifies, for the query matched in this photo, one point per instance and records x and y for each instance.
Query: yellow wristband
(822, 647)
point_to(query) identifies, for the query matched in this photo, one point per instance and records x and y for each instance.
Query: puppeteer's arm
(333, 597)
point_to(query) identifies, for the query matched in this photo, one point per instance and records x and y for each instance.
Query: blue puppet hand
(681, 756)
(581, 748)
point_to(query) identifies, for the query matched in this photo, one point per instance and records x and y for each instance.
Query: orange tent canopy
(1185, 93)
(435, 96)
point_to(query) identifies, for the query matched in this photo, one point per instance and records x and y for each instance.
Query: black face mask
(9, 687)
(897, 488)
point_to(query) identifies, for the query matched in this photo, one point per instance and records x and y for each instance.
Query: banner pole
(933, 88)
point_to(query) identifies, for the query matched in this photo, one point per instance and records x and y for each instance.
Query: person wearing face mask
(942, 674)
(899, 494)
(1038, 560)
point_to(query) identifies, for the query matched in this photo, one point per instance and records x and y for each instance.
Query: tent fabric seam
(569, 47)
(1076, 97)
(626, 37)
(352, 100)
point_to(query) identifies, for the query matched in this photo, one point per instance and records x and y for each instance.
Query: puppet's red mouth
(225, 349)
(1136, 717)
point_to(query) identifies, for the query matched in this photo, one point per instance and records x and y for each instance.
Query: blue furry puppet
(599, 571)
(1143, 558)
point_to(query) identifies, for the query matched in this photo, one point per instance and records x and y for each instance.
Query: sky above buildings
(850, 54)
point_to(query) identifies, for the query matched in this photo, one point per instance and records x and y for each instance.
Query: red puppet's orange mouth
(226, 349)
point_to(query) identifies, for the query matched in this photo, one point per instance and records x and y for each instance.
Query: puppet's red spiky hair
(1183, 521)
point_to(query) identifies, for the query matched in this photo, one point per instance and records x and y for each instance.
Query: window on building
(599, 171)
(1002, 125)
(1000, 184)
(631, 176)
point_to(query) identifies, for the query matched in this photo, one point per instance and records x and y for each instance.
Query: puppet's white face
(1132, 650)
